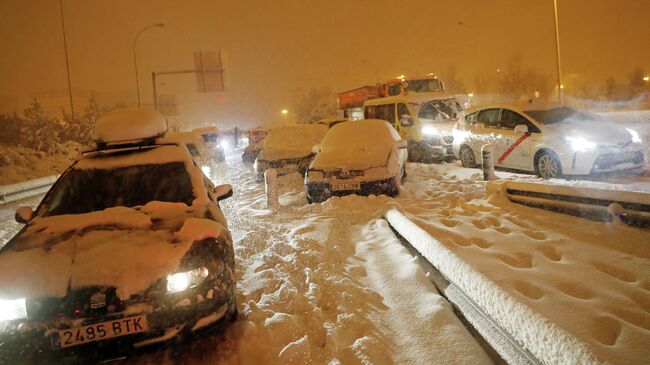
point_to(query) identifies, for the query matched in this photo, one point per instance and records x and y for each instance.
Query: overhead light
(285, 111)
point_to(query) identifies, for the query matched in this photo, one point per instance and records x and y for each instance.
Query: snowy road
(330, 283)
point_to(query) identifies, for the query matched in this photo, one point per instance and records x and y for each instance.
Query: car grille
(343, 174)
(90, 301)
(448, 139)
(609, 160)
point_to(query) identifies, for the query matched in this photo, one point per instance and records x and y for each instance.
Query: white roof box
(129, 125)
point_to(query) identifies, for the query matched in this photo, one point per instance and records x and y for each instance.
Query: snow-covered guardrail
(630, 207)
(13, 192)
(519, 334)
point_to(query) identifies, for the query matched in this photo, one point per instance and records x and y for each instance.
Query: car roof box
(132, 126)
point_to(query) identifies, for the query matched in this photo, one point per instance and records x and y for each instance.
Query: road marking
(512, 148)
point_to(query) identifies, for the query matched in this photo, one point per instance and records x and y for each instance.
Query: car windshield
(88, 190)
(440, 110)
(560, 115)
(424, 86)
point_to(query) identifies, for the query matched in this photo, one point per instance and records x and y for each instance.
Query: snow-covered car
(212, 142)
(255, 138)
(129, 246)
(289, 148)
(362, 157)
(195, 144)
(331, 121)
(425, 120)
(550, 140)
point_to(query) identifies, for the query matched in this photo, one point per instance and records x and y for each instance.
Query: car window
(193, 150)
(471, 118)
(510, 119)
(386, 112)
(89, 190)
(489, 118)
(405, 118)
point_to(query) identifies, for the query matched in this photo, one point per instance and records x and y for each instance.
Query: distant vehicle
(331, 121)
(351, 101)
(213, 142)
(549, 140)
(288, 148)
(255, 138)
(425, 120)
(362, 157)
(203, 155)
(129, 246)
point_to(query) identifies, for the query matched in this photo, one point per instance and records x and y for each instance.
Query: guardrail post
(487, 155)
(271, 185)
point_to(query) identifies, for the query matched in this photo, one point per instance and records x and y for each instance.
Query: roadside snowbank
(20, 164)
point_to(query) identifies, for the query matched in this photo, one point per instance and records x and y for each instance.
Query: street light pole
(135, 59)
(557, 53)
(67, 62)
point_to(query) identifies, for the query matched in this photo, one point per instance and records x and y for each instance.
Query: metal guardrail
(517, 333)
(630, 207)
(14, 192)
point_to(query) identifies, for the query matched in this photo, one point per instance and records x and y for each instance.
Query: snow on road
(325, 283)
(590, 278)
(329, 283)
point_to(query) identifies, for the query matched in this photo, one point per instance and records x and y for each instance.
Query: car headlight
(580, 143)
(429, 130)
(635, 135)
(183, 280)
(12, 309)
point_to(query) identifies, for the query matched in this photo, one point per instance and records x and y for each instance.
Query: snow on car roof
(362, 134)
(295, 135)
(130, 124)
(517, 106)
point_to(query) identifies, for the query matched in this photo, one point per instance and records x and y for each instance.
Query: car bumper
(580, 163)
(25, 338)
(319, 192)
(283, 167)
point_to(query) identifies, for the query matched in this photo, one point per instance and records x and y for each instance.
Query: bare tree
(524, 81)
(316, 104)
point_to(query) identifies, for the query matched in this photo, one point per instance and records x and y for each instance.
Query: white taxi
(550, 140)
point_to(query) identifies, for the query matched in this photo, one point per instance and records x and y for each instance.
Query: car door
(485, 130)
(514, 148)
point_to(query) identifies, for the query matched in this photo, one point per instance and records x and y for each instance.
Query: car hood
(125, 248)
(599, 132)
(276, 154)
(350, 160)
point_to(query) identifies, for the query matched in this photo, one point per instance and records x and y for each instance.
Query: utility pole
(67, 61)
(557, 53)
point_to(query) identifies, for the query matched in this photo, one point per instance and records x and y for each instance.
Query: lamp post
(557, 53)
(135, 59)
(67, 62)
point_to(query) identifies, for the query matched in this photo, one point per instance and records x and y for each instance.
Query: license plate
(346, 186)
(99, 331)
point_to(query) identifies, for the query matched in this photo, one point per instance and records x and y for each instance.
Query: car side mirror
(315, 148)
(402, 143)
(24, 214)
(521, 128)
(222, 192)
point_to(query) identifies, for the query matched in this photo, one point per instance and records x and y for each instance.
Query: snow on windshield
(359, 135)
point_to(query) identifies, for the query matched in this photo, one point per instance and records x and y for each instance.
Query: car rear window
(88, 190)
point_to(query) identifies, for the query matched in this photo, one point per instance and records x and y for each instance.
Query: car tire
(547, 165)
(466, 156)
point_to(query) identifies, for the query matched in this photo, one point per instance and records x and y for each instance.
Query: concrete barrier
(25, 189)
